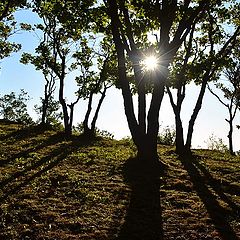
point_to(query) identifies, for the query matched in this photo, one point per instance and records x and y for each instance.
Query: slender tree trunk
(44, 111)
(65, 116)
(196, 110)
(71, 106)
(45, 104)
(179, 135)
(62, 101)
(86, 129)
(230, 133)
(95, 117)
(179, 141)
(66, 119)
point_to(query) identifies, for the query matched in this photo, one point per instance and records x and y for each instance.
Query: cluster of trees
(105, 42)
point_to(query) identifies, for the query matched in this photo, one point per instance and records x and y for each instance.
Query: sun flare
(150, 63)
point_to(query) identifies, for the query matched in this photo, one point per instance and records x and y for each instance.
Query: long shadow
(216, 185)
(52, 140)
(144, 216)
(44, 164)
(217, 213)
(24, 132)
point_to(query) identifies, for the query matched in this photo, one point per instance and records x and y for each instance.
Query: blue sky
(14, 76)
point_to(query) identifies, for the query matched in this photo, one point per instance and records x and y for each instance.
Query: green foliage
(53, 116)
(14, 108)
(167, 136)
(79, 129)
(215, 143)
(104, 133)
(8, 26)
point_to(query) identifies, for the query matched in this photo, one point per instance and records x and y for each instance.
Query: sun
(150, 63)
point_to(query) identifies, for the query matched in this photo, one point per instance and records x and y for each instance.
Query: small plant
(167, 136)
(104, 133)
(79, 129)
(215, 143)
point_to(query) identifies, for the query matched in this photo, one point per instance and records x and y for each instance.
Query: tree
(49, 106)
(200, 61)
(231, 91)
(130, 22)
(14, 108)
(61, 44)
(94, 82)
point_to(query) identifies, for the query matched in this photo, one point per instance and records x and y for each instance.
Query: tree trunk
(179, 135)
(44, 111)
(153, 121)
(95, 117)
(67, 127)
(196, 110)
(147, 150)
(86, 129)
(230, 135)
(179, 141)
(45, 104)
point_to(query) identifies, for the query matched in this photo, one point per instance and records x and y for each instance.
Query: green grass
(57, 188)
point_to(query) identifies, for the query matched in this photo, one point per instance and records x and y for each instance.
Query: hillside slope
(57, 188)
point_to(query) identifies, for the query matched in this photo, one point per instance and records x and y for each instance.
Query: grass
(57, 188)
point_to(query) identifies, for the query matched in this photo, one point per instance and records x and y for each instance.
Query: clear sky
(14, 76)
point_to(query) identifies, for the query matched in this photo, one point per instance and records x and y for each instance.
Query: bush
(167, 136)
(78, 129)
(14, 108)
(215, 143)
(53, 115)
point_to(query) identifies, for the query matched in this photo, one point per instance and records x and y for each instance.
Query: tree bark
(230, 137)
(86, 129)
(179, 135)
(196, 110)
(232, 114)
(62, 101)
(179, 141)
(95, 117)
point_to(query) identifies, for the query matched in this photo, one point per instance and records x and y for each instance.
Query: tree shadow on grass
(34, 147)
(23, 177)
(209, 189)
(144, 216)
(24, 132)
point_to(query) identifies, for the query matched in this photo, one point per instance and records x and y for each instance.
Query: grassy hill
(57, 188)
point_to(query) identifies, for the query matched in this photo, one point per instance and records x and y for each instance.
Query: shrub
(14, 108)
(167, 136)
(215, 143)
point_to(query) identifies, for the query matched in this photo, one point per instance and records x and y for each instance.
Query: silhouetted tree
(94, 82)
(231, 90)
(59, 50)
(131, 21)
(200, 60)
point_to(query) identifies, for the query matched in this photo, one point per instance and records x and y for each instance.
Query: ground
(57, 188)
